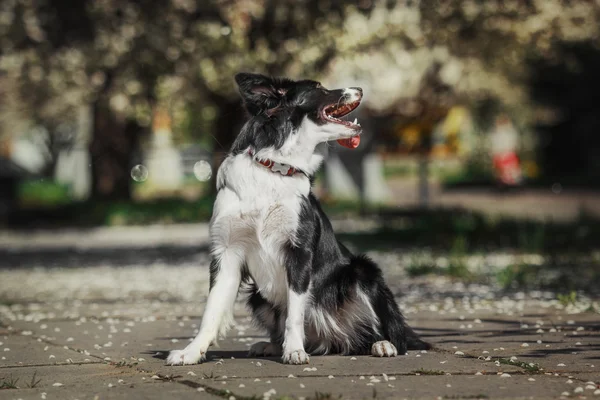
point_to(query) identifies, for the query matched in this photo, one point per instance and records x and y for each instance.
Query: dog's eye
(320, 88)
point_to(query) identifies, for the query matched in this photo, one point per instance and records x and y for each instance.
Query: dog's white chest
(256, 215)
(274, 227)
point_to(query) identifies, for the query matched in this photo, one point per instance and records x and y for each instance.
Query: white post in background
(165, 167)
(73, 165)
(376, 190)
(339, 181)
(342, 185)
(82, 170)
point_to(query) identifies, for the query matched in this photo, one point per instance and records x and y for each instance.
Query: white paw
(296, 357)
(264, 349)
(186, 357)
(383, 348)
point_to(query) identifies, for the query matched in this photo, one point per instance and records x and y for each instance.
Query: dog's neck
(307, 163)
(278, 168)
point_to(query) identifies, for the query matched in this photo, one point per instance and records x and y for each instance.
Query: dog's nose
(353, 94)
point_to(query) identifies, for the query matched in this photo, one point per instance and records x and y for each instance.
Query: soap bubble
(556, 188)
(202, 171)
(139, 173)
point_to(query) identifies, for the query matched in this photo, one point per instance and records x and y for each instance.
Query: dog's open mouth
(334, 112)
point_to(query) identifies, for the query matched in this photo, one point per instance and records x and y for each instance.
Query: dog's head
(284, 108)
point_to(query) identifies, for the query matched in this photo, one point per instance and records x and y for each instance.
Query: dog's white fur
(255, 213)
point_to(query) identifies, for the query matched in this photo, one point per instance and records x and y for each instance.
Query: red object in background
(508, 168)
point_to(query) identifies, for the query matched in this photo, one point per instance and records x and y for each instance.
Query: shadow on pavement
(71, 257)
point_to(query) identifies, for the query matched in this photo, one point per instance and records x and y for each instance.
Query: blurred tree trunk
(114, 142)
(229, 120)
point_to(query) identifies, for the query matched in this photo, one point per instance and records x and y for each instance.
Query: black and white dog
(270, 235)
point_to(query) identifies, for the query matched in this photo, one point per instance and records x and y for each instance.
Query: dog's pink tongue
(351, 143)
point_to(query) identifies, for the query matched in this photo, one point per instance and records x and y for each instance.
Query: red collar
(283, 169)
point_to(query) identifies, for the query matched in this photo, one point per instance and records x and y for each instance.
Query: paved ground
(556, 203)
(92, 316)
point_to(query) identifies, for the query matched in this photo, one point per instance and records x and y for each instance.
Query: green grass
(395, 171)
(517, 276)
(422, 371)
(477, 170)
(111, 213)
(323, 396)
(159, 211)
(565, 274)
(9, 383)
(465, 232)
(528, 367)
(34, 382)
(416, 270)
(457, 267)
(42, 193)
(226, 394)
(211, 376)
(568, 299)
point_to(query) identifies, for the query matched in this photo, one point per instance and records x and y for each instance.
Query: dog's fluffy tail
(413, 341)
(395, 327)
(392, 324)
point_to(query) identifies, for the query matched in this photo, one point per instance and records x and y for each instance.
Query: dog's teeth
(355, 121)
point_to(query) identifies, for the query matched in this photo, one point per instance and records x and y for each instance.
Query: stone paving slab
(17, 350)
(146, 343)
(97, 381)
(135, 336)
(573, 345)
(397, 387)
(220, 363)
(116, 340)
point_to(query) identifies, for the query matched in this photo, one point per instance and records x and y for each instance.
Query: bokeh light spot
(202, 171)
(139, 173)
(556, 188)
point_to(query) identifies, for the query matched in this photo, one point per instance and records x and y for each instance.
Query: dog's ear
(259, 93)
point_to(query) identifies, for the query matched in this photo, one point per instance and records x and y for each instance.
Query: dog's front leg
(298, 274)
(225, 278)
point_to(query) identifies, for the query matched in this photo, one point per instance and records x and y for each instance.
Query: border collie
(270, 236)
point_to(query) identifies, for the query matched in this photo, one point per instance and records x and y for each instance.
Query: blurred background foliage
(98, 98)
